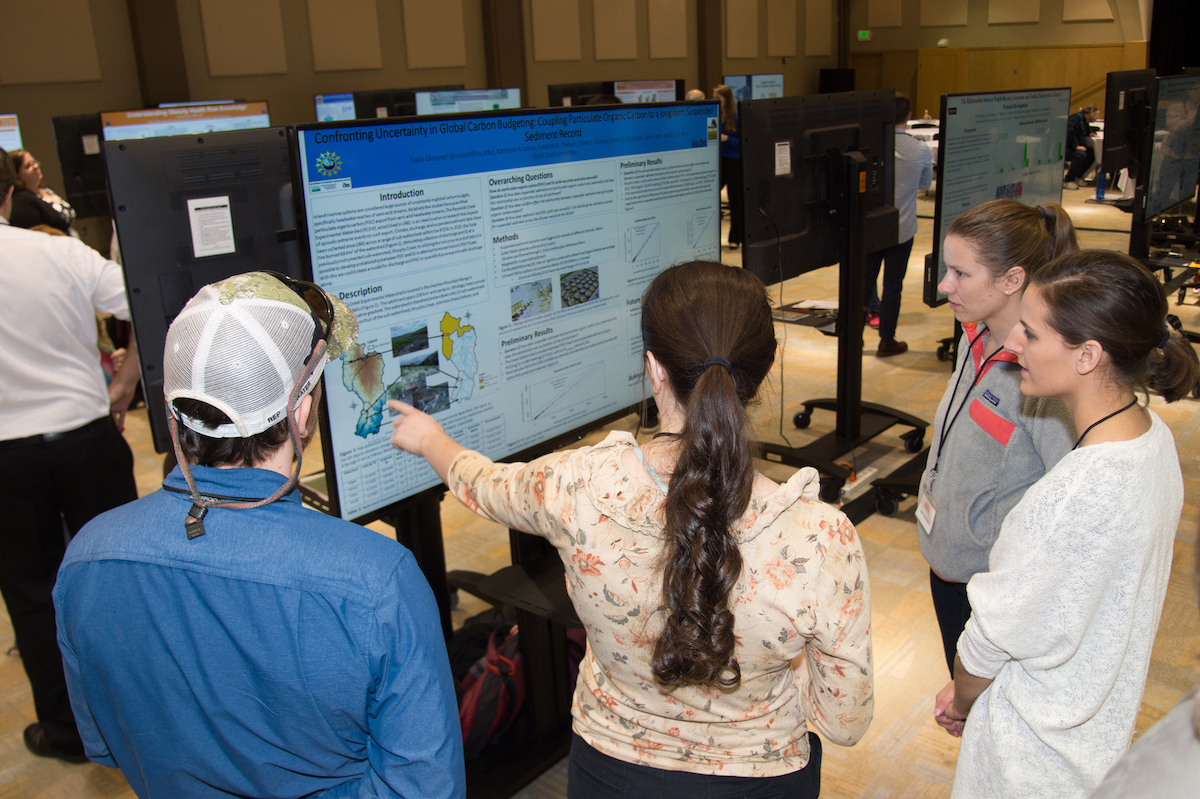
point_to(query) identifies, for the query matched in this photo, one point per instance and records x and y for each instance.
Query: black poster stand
(418, 526)
(535, 589)
(857, 422)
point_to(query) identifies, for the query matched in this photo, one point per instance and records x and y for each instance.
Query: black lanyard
(1105, 419)
(978, 376)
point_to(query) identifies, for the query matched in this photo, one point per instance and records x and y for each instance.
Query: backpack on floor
(492, 692)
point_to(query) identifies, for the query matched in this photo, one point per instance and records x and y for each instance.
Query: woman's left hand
(944, 713)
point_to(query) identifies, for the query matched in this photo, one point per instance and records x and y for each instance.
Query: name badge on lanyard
(926, 504)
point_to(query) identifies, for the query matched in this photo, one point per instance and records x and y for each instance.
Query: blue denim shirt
(283, 653)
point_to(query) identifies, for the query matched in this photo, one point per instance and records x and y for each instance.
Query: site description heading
(395, 152)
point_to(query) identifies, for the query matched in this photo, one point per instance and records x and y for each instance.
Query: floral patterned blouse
(803, 616)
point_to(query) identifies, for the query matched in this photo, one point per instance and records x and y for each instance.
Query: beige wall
(800, 72)
(117, 88)
(290, 95)
(540, 74)
(981, 58)
(926, 74)
(890, 69)
(1049, 30)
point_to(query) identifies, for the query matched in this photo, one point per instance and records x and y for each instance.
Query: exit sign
(864, 36)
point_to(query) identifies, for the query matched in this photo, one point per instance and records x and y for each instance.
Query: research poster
(1002, 144)
(1176, 144)
(179, 120)
(10, 132)
(496, 265)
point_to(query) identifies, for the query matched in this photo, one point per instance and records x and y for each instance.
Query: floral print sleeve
(531, 497)
(835, 675)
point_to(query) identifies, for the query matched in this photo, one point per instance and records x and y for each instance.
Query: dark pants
(1081, 161)
(894, 261)
(48, 491)
(592, 774)
(952, 609)
(731, 177)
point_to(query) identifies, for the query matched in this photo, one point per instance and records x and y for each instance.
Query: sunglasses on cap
(317, 301)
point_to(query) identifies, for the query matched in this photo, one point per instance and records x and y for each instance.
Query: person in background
(697, 580)
(1052, 663)
(990, 443)
(914, 171)
(222, 640)
(694, 94)
(62, 460)
(1081, 150)
(34, 203)
(731, 163)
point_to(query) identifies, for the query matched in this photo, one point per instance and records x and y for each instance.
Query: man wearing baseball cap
(220, 639)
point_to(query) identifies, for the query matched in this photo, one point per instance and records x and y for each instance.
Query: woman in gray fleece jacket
(990, 443)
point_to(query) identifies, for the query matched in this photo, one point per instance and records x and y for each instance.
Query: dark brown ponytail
(1106, 296)
(693, 313)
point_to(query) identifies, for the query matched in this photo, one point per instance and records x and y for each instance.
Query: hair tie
(1042, 210)
(717, 362)
(1166, 337)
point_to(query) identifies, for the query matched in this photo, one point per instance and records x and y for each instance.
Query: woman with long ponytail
(698, 580)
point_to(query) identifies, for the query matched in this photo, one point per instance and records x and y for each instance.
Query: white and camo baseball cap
(242, 344)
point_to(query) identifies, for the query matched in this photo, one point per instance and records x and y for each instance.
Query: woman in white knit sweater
(1052, 663)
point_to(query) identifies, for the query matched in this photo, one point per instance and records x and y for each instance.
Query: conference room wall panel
(1050, 30)
(813, 32)
(114, 85)
(905, 56)
(588, 63)
(985, 69)
(344, 35)
(891, 69)
(290, 94)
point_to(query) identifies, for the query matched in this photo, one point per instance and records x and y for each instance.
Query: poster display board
(754, 87)
(466, 100)
(10, 132)
(182, 120)
(997, 144)
(1175, 148)
(792, 148)
(496, 264)
(77, 142)
(648, 91)
(192, 210)
(334, 107)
